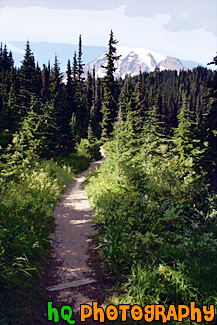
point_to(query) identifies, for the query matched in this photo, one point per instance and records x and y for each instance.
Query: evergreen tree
(69, 86)
(27, 80)
(109, 105)
(6, 73)
(96, 114)
(7, 59)
(172, 114)
(127, 136)
(38, 81)
(90, 88)
(58, 129)
(75, 68)
(82, 112)
(165, 122)
(34, 129)
(70, 97)
(157, 108)
(14, 118)
(184, 138)
(128, 104)
(209, 133)
(80, 64)
(141, 95)
(8, 112)
(45, 93)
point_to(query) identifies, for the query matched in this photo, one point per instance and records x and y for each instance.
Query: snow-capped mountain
(133, 60)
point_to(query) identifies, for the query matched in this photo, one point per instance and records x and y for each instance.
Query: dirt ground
(71, 281)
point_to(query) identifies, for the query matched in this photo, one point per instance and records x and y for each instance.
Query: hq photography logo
(149, 313)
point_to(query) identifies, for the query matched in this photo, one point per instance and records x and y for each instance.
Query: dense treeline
(47, 114)
(51, 116)
(156, 194)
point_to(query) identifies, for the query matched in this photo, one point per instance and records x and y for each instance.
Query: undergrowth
(30, 189)
(156, 222)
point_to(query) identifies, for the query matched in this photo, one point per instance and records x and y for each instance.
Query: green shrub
(89, 149)
(76, 162)
(29, 192)
(156, 226)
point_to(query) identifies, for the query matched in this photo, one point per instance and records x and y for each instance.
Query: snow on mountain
(133, 60)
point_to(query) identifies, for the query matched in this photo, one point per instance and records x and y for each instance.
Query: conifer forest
(154, 197)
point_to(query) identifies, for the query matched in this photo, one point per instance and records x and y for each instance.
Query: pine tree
(80, 97)
(164, 119)
(80, 64)
(69, 86)
(14, 118)
(96, 114)
(172, 114)
(127, 136)
(6, 73)
(90, 90)
(70, 104)
(209, 133)
(34, 129)
(58, 121)
(184, 136)
(45, 93)
(7, 59)
(75, 68)
(38, 80)
(157, 108)
(8, 112)
(109, 105)
(141, 95)
(27, 80)
(128, 103)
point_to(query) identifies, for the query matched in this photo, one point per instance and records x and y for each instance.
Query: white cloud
(65, 25)
(184, 15)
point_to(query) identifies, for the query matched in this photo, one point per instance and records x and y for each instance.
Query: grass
(30, 189)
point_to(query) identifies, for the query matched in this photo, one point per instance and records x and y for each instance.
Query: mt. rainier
(133, 60)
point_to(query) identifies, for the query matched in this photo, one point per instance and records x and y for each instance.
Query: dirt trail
(71, 240)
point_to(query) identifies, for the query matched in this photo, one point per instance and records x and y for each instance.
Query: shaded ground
(71, 242)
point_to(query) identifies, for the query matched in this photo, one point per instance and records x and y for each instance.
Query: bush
(89, 148)
(156, 228)
(26, 221)
(30, 189)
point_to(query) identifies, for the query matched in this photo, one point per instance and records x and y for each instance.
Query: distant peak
(133, 60)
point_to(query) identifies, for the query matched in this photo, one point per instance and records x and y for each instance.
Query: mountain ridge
(134, 60)
(45, 51)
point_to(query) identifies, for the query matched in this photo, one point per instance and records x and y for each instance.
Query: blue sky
(183, 29)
